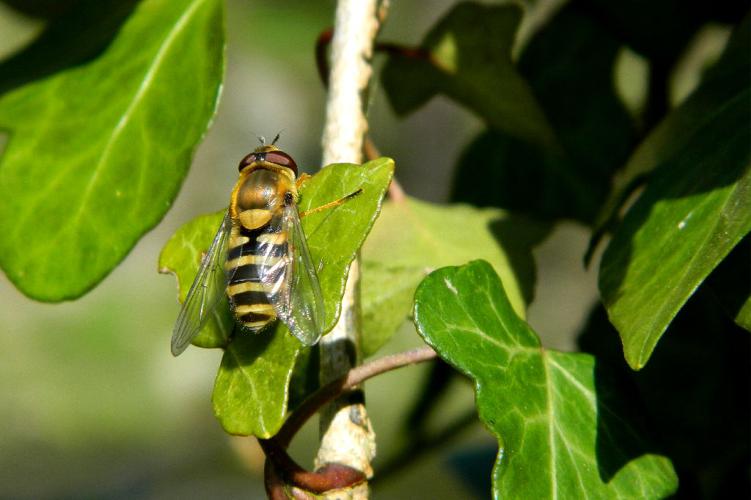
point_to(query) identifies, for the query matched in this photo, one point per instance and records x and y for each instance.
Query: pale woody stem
(346, 435)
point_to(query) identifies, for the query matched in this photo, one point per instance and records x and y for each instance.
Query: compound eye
(250, 158)
(281, 158)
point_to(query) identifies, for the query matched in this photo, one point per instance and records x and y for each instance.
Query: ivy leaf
(561, 431)
(722, 83)
(182, 256)
(695, 209)
(467, 56)
(97, 153)
(251, 389)
(252, 386)
(413, 237)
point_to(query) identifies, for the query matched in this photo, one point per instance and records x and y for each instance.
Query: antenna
(262, 139)
(277, 137)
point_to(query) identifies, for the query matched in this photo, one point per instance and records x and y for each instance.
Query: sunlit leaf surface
(562, 432)
(97, 153)
(695, 209)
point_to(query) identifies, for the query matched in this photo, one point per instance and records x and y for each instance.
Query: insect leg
(331, 204)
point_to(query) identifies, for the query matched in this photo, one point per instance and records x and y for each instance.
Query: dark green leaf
(562, 432)
(412, 238)
(250, 394)
(97, 153)
(693, 394)
(722, 83)
(695, 209)
(467, 56)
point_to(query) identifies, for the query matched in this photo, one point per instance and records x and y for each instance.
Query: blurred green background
(92, 404)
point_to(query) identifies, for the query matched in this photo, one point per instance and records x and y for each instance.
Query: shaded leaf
(467, 56)
(78, 31)
(695, 209)
(413, 237)
(693, 394)
(562, 431)
(386, 294)
(251, 389)
(722, 83)
(97, 153)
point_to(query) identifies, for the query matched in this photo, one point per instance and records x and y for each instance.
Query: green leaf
(251, 389)
(252, 386)
(722, 83)
(182, 257)
(335, 236)
(97, 153)
(562, 432)
(467, 57)
(413, 237)
(386, 294)
(695, 209)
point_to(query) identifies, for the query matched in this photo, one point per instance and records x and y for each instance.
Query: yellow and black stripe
(249, 296)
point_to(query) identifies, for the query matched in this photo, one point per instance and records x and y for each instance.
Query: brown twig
(331, 476)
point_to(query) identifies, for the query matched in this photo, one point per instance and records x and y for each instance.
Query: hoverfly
(259, 257)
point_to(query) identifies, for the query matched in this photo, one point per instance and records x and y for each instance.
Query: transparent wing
(291, 281)
(207, 290)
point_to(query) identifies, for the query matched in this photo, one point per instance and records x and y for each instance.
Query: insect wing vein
(205, 293)
(303, 311)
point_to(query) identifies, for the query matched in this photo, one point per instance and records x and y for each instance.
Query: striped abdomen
(256, 263)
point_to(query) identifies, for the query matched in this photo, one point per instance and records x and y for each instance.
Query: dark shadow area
(44, 9)
(623, 431)
(78, 31)
(247, 346)
(436, 382)
(569, 67)
(730, 282)
(474, 466)
(692, 398)
(305, 376)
